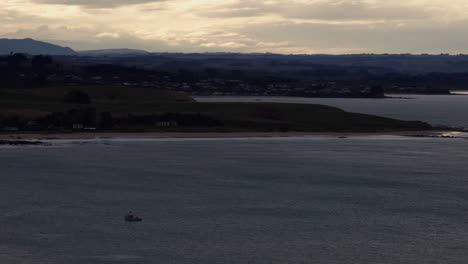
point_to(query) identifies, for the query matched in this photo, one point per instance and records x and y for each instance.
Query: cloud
(352, 10)
(320, 10)
(378, 38)
(97, 3)
(86, 38)
(292, 26)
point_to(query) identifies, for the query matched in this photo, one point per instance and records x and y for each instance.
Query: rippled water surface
(436, 109)
(298, 200)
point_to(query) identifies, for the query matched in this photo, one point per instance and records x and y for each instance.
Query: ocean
(449, 110)
(374, 199)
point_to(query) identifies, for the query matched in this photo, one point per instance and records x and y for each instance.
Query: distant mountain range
(114, 52)
(34, 47)
(321, 66)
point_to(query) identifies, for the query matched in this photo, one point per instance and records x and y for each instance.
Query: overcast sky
(296, 26)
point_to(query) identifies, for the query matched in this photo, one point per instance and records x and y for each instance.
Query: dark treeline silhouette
(22, 71)
(88, 118)
(202, 78)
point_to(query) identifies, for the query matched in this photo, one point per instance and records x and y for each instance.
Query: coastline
(20, 137)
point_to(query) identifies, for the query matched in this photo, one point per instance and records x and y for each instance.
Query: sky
(290, 27)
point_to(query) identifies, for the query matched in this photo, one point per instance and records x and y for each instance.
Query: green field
(45, 100)
(124, 101)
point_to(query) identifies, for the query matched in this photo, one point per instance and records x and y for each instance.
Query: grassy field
(41, 101)
(122, 101)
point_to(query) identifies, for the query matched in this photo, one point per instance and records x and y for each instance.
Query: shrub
(77, 97)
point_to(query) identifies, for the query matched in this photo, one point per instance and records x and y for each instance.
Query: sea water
(290, 200)
(448, 110)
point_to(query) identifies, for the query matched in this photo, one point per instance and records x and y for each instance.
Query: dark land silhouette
(32, 47)
(131, 109)
(137, 91)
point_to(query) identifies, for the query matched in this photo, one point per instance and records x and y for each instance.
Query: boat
(132, 218)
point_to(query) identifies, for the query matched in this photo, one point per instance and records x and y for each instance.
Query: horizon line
(235, 52)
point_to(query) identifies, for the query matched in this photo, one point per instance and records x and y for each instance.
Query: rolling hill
(32, 47)
(115, 52)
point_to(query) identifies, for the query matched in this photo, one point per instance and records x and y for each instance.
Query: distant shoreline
(19, 139)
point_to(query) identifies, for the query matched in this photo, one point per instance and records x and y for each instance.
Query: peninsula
(100, 109)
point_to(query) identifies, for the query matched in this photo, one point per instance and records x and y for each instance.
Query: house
(77, 126)
(167, 124)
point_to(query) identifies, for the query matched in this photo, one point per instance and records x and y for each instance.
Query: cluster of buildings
(224, 87)
(233, 87)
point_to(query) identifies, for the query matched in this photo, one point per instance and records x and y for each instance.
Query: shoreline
(21, 137)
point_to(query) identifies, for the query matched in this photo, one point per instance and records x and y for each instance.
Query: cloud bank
(295, 26)
(95, 3)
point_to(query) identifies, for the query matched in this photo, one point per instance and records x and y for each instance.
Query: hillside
(32, 47)
(115, 52)
(138, 109)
